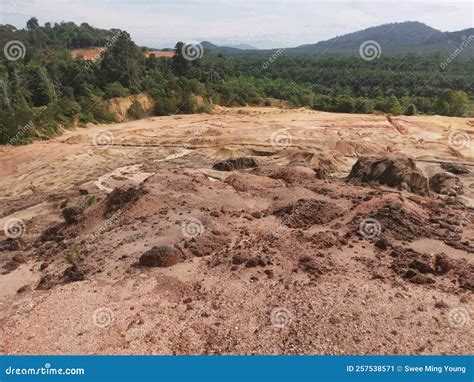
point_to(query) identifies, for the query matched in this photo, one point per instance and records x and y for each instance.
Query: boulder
(232, 164)
(72, 215)
(398, 171)
(159, 256)
(446, 184)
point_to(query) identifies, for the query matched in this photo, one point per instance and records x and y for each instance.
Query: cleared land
(265, 259)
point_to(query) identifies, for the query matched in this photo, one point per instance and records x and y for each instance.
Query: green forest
(47, 88)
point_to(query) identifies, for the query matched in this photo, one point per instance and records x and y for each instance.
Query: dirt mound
(159, 256)
(306, 212)
(327, 239)
(245, 182)
(395, 171)
(291, 175)
(446, 184)
(119, 197)
(396, 220)
(206, 244)
(327, 161)
(422, 268)
(232, 164)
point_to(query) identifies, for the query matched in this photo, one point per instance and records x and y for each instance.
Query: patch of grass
(74, 254)
(89, 201)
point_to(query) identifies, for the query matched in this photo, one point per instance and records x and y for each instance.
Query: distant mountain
(406, 37)
(220, 49)
(394, 38)
(242, 46)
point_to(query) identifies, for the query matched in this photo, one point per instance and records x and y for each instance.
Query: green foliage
(115, 89)
(136, 110)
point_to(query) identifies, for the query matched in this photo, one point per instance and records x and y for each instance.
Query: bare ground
(270, 259)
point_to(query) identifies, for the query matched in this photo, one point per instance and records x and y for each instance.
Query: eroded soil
(280, 254)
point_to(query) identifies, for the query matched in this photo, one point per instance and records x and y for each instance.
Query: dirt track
(270, 259)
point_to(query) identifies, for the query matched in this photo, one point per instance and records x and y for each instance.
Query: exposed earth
(248, 231)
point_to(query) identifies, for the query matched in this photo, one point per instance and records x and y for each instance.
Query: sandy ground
(270, 260)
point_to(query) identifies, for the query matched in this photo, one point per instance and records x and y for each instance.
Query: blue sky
(265, 24)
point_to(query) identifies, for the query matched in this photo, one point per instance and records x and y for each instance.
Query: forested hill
(57, 36)
(44, 88)
(395, 38)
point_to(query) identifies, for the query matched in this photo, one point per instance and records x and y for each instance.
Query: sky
(260, 23)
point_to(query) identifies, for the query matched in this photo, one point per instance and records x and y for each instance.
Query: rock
(73, 273)
(421, 266)
(72, 215)
(454, 168)
(398, 171)
(442, 265)
(53, 233)
(416, 277)
(159, 256)
(251, 263)
(235, 164)
(446, 184)
(257, 214)
(382, 243)
(10, 245)
(238, 259)
(120, 197)
(20, 258)
(320, 173)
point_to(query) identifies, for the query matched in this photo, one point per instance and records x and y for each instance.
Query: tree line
(49, 89)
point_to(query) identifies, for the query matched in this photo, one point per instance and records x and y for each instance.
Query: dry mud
(132, 241)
